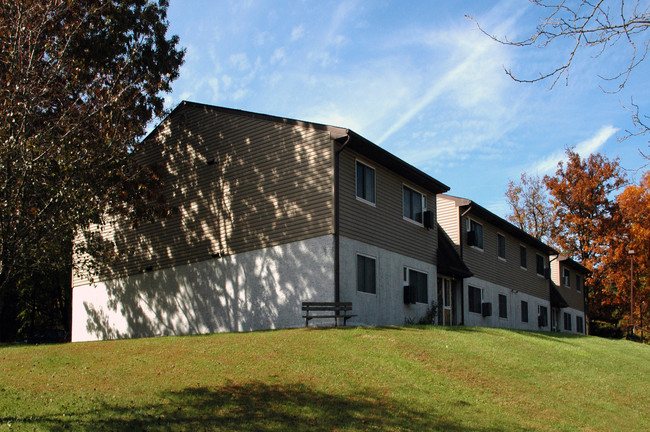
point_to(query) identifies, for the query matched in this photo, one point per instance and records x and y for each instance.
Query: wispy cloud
(472, 77)
(583, 148)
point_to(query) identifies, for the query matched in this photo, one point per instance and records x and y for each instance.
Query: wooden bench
(334, 310)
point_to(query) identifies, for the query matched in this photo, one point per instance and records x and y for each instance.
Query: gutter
(337, 222)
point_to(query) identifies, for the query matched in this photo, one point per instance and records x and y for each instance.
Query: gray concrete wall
(386, 307)
(491, 293)
(261, 289)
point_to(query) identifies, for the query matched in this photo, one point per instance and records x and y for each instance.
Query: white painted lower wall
(514, 298)
(574, 313)
(262, 289)
(386, 307)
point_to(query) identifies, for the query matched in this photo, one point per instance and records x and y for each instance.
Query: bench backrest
(326, 306)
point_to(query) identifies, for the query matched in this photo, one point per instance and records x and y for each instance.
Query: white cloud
(297, 33)
(471, 76)
(583, 148)
(240, 61)
(594, 143)
(279, 56)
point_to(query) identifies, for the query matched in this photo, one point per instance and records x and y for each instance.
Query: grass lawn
(397, 378)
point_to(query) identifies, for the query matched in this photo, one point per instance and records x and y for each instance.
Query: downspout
(460, 236)
(550, 281)
(337, 223)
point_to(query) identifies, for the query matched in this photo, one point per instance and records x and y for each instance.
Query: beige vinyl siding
(448, 215)
(268, 183)
(486, 264)
(383, 224)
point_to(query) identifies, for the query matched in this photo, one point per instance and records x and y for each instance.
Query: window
(541, 266)
(474, 295)
(522, 257)
(501, 246)
(524, 311)
(419, 281)
(366, 276)
(567, 321)
(580, 327)
(413, 204)
(566, 278)
(542, 318)
(365, 182)
(503, 306)
(578, 283)
(475, 234)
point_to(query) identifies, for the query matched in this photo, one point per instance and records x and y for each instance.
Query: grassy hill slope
(403, 378)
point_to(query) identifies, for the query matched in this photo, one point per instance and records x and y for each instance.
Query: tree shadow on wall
(252, 407)
(241, 186)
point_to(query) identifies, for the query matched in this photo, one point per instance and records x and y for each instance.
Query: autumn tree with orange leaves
(632, 234)
(586, 218)
(598, 228)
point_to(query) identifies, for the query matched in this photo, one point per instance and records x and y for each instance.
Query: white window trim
(545, 267)
(526, 249)
(565, 279)
(407, 277)
(424, 206)
(482, 299)
(469, 228)
(499, 307)
(356, 167)
(504, 247)
(356, 277)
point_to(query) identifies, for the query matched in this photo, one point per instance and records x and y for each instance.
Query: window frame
(524, 307)
(470, 288)
(567, 318)
(580, 325)
(539, 313)
(471, 223)
(523, 253)
(423, 204)
(503, 306)
(566, 277)
(418, 292)
(537, 258)
(358, 282)
(501, 246)
(579, 280)
(366, 168)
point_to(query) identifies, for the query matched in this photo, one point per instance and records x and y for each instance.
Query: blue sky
(415, 77)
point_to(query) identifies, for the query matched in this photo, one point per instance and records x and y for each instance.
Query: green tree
(79, 82)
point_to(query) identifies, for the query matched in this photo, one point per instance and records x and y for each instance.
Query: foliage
(632, 234)
(79, 82)
(584, 211)
(430, 315)
(604, 329)
(531, 210)
(399, 378)
(597, 227)
(586, 216)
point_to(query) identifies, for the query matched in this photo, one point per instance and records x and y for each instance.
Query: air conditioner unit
(429, 219)
(541, 321)
(409, 294)
(471, 238)
(486, 309)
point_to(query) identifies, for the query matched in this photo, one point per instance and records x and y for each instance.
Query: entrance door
(555, 319)
(447, 301)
